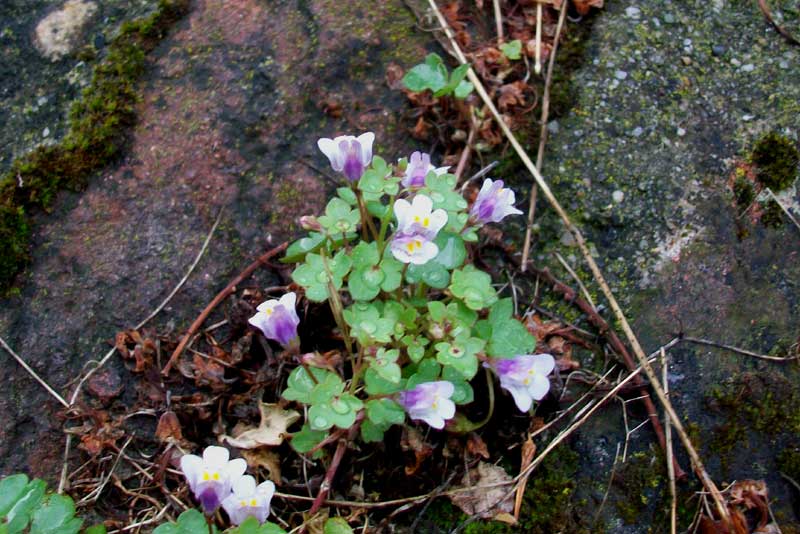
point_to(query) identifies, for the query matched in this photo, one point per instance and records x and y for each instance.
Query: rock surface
(59, 33)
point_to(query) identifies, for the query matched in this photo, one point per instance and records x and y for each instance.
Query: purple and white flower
(525, 377)
(278, 319)
(349, 155)
(430, 402)
(212, 476)
(419, 165)
(248, 500)
(419, 217)
(494, 202)
(413, 248)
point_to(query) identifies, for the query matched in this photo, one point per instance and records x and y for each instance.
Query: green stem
(335, 303)
(385, 225)
(366, 219)
(475, 426)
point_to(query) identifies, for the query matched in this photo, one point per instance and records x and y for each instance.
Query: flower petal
(330, 147)
(422, 205)
(191, 465)
(402, 210)
(522, 399)
(235, 469)
(245, 486)
(543, 363)
(539, 386)
(366, 140)
(216, 456)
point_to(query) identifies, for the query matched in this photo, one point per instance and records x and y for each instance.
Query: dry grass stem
(673, 510)
(598, 275)
(33, 374)
(577, 279)
(526, 246)
(784, 208)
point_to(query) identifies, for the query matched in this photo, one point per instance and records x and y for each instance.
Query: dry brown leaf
(412, 440)
(267, 459)
(169, 428)
(476, 446)
(527, 453)
(485, 502)
(274, 425)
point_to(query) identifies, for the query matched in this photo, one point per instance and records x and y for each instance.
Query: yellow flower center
(253, 503)
(209, 476)
(414, 245)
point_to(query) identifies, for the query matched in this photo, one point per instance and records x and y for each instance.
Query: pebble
(719, 50)
(620, 75)
(633, 12)
(735, 62)
(686, 60)
(45, 132)
(669, 18)
(658, 59)
(41, 101)
(681, 132)
(637, 132)
(618, 196)
(748, 68)
(553, 127)
(783, 64)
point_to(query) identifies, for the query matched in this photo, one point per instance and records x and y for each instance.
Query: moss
(546, 506)
(638, 480)
(743, 192)
(99, 121)
(788, 462)
(776, 158)
(772, 217)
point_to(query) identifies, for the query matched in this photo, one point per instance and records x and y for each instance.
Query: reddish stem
(221, 296)
(341, 447)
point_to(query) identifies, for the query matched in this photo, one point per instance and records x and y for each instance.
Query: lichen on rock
(59, 33)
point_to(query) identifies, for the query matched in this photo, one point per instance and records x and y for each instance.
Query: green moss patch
(99, 122)
(776, 158)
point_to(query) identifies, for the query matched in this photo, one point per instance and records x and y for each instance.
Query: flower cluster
(218, 481)
(416, 318)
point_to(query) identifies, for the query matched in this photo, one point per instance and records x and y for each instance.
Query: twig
(33, 374)
(537, 66)
(779, 203)
(762, 4)
(221, 296)
(144, 523)
(325, 487)
(572, 297)
(737, 350)
(608, 487)
(498, 19)
(791, 481)
(526, 247)
(462, 161)
(577, 279)
(673, 510)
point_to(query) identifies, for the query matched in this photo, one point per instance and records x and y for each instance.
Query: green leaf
(455, 78)
(341, 411)
(300, 384)
(460, 354)
(361, 283)
(462, 91)
(429, 75)
(251, 526)
(336, 525)
(512, 50)
(297, 251)
(314, 278)
(96, 529)
(12, 489)
(474, 287)
(365, 255)
(371, 433)
(426, 371)
(385, 412)
(392, 273)
(437, 310)
(347, 194)
(509, 337)
(329, 386)
(377, 385)
(367, 325)
(189, 522)
(432, 273)
(463, 393)
(339, 217)
(56, 516)
(385, 364)
(307, 438)
(452, 251)
(19, 515)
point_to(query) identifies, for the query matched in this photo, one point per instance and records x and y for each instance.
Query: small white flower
(494, 202)
(430, 402)
(419, 165)
(248, 500)
(348, 154)
(418, 217)
(278, 319)
(413, 248)
(525, 377)
(212, 476)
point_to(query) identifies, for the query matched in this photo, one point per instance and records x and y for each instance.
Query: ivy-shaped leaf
(339, 217)
(367, 325)
(297, 251)
(474, 287)
(385, 412)
(252, 526)
(463, 393)
(336, 525)
(512, 50)
(300, 385)
(55, 516)
(385, 364)
(509, 337)
(314, 278)
(374, 384)
(307, 438)
(189, 522)
(432, 74)
(460, 354)
(341, 411)
(426, 370)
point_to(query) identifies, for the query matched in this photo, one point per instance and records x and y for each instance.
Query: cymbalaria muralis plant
(416, 317)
